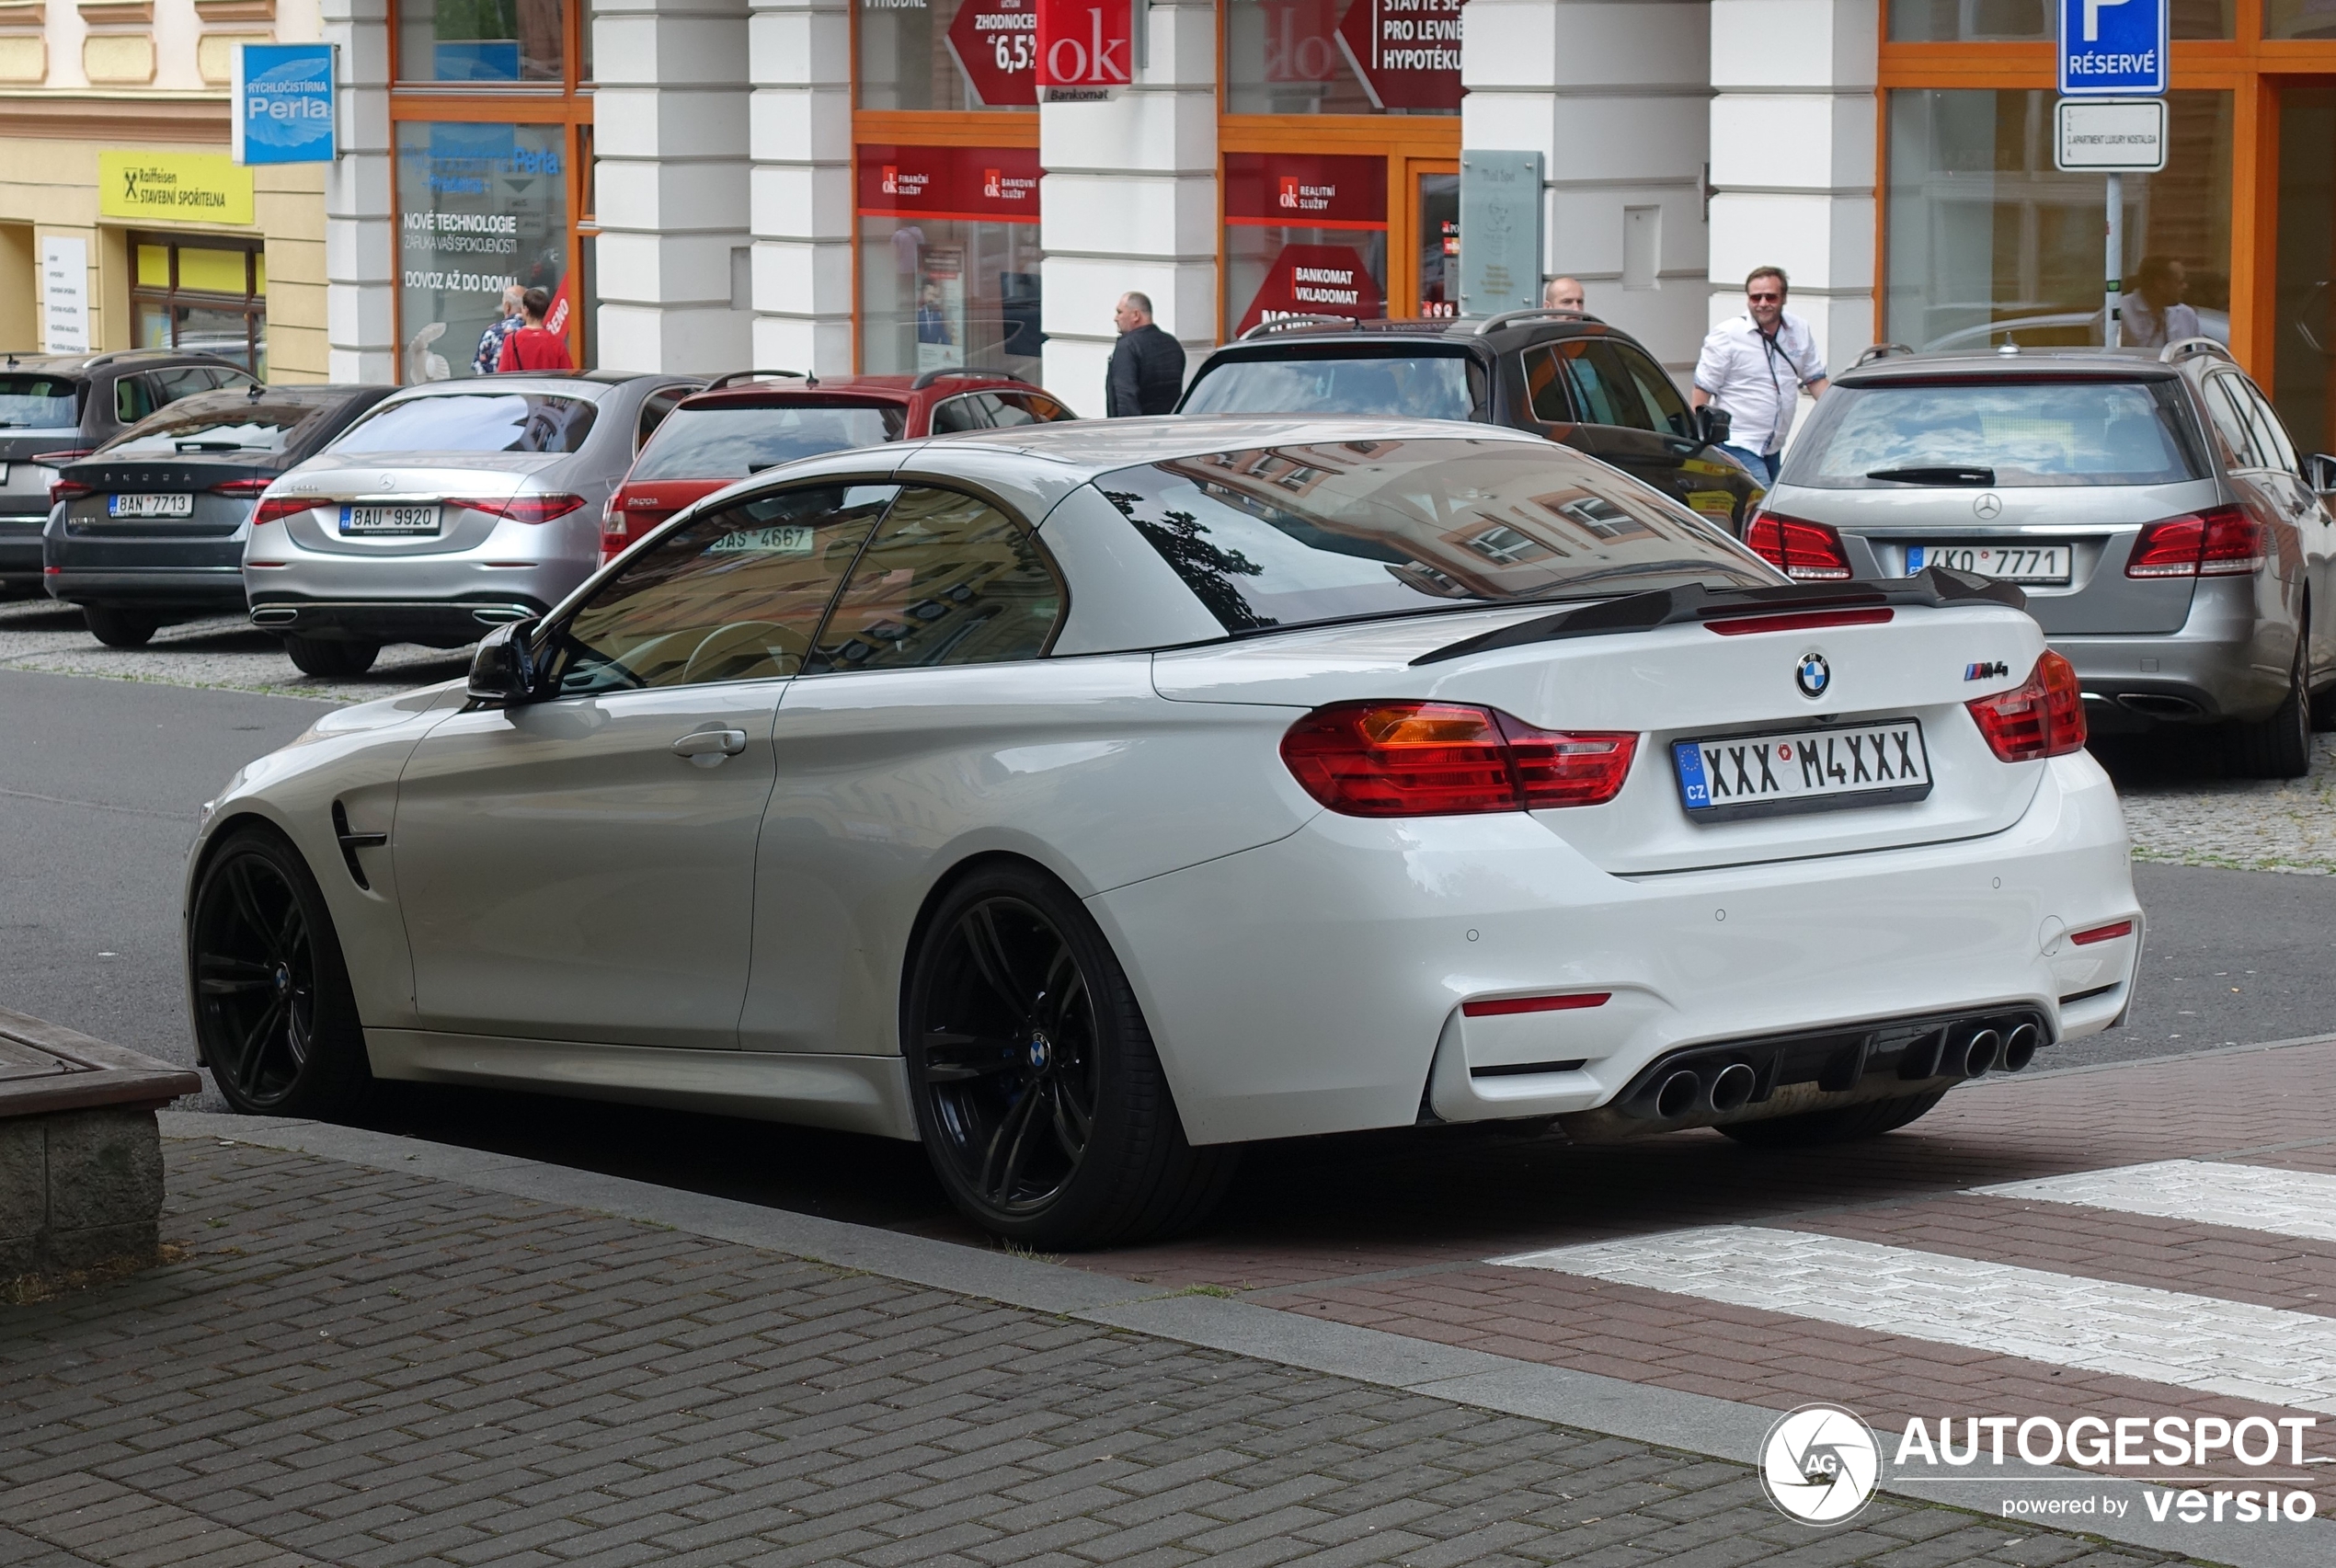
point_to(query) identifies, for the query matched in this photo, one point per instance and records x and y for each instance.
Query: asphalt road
(101, 781)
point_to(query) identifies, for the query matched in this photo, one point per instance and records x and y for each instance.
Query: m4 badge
(1985, 671)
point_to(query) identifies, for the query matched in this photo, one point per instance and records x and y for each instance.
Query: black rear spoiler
(1932, 589)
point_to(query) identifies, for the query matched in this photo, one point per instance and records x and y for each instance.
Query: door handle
(707, 748)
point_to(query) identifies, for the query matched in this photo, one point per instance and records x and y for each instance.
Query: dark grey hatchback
(150, 527)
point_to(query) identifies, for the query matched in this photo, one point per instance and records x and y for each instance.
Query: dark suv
(57, 407)
(1557, 372)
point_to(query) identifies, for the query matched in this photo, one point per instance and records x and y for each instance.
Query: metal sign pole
(2112, 335)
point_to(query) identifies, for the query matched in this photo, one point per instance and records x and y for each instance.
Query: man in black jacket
(1147, 364)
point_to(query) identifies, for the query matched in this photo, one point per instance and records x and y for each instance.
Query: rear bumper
(207, 588)
(1315, 984)
(20, 548)
(2227, 662)
(432, 625)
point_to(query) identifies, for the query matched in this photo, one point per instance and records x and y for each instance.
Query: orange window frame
(2251, 68)
(569, 103)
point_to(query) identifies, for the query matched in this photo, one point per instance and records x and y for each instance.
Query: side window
(1545, 387)
(132, 399)
(734, 596)
(1025, 408)
(2271, 436)
(183, 381)
(1602, 389)
(947, 580)
(967, 413)
(1657, 392)
(654, 409)
(2223, 408)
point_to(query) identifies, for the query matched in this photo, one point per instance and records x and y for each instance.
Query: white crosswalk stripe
(2301, 1203)
(2162, 1336)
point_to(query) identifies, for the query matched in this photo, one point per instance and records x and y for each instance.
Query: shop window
(1323, 57)
(1987, 240)
(2299, 18)
(480, 207)
(2031, 21)
(948, 260)
(481, 40)
(207, 296)
(1304, 235)
(948, 54)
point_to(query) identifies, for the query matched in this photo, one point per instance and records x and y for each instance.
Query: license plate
(149, 505)
(1803, 770)
(2012, 563)
(389, 520)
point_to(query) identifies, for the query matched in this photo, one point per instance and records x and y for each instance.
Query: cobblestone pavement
(2179, 810)
(358, 1367)
(221, 651)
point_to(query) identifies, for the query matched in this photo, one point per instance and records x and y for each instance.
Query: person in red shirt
(531, 347)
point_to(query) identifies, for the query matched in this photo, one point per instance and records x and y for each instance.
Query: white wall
(360, 250)
(1612, 94)
(800, 188)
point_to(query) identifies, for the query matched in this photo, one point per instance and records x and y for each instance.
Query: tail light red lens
(522, 508)
(64, 490)
(1414, 758)
(275, 508)
(2044, 716)
(242, 487)
(1808, 551)
(2222, 542)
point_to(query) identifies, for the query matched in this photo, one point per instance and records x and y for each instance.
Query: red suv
(751, 420)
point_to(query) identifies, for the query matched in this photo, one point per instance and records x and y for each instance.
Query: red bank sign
(996, 44)
(975, 183)
(1306, 191)
(1316, 279)
(1086, 48)
(1406, 52)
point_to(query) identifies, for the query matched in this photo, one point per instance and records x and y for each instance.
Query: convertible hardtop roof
(1099, 446)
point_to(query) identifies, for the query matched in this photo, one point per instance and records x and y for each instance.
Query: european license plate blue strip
(1693, 786)
(1914, 559)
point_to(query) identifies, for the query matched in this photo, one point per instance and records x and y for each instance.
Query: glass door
(2304, 357)
(1434, 286)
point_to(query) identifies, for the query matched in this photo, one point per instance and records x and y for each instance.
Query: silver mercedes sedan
(450, 509)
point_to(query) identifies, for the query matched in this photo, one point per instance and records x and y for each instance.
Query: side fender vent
(351, 842)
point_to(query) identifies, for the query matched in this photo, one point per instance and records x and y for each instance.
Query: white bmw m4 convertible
(1085, 800)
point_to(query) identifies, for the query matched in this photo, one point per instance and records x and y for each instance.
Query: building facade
(874, 186)
(123, 222)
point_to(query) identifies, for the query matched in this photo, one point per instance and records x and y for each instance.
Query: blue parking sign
(2113, 48)
(283, 103)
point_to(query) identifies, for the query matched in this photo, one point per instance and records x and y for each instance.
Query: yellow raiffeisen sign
(202, 188)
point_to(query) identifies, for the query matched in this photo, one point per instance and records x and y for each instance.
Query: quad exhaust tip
(1958, 1050)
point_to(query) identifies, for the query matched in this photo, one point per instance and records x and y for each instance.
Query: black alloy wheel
(273, 1011)
(1038, 1095)
(317, 656)
(117, 627)
(2280, 747)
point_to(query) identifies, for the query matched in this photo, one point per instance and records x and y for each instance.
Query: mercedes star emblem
(1987, 505)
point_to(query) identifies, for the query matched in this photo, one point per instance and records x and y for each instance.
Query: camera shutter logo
(1819, 1464)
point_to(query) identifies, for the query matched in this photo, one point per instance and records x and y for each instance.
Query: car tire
(1037, 1093)
(119, 628)
(274, 1015)
(1813, 1129)
(314, 656)
(2280, 747)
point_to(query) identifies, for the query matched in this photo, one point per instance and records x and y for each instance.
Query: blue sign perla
(2113, 48)
(283, 99)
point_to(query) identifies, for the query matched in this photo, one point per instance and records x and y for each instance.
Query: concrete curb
(1696, 1424)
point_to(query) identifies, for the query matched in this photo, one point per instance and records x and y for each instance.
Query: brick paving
(365, 1367)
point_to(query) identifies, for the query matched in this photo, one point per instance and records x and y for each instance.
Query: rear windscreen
(1279, 536)
(1414, 386)
(730, 443)
(39, 403)
(473, 422)
(237, 424)
(2022, 432)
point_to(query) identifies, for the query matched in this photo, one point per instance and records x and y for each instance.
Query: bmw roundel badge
(1814, 675)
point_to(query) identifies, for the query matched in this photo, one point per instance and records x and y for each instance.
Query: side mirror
(1714, 424)
(503, 669)
(2320, 472)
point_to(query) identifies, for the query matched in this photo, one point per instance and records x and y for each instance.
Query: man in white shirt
(1755, 366)
(2153, 314)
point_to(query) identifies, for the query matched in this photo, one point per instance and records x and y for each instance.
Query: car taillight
(1415, 759)
(2222, 542)
(522, 509)
(275, 508)
(1810, 552)
(2044, 716)
(59, 459)
(64, 490)
(241, 486)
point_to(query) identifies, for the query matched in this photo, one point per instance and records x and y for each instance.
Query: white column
(801, 141)
(1792, 160)
(1128, 201)
(361, 251)
(1612, 94)
(669, 130)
